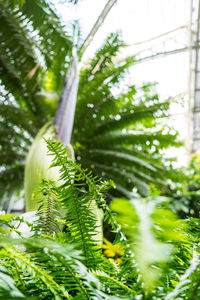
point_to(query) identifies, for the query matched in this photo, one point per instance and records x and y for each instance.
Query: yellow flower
(113, 251)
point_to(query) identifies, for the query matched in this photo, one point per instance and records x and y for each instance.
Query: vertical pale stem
(64, 118)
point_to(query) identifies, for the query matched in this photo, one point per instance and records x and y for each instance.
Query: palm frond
(117, 131)
(139, 114)
(35, 50)
(52, 39)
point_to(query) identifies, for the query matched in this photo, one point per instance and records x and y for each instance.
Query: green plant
(121, 130)
(32, 38)
(185, 194)
(59, 271)
(68, 263)
(117, 131)
(149, 225)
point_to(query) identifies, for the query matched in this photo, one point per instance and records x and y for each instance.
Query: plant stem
(96, 26)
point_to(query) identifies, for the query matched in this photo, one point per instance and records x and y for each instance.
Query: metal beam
(196, 106)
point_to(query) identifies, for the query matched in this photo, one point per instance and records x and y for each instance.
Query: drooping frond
(34, 56)
(31, 269)
(52, 269)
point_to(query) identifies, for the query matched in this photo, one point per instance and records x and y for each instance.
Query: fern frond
(64, 268)
(116, 283)
(24, 262)
(185, 286)
(8, 288)
(49, 211)
(81, 206)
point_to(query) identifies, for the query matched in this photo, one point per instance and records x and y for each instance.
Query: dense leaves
(158, 258)
(52, 267)
(35, 50)
(117, 132)
(149, 225)
(185, 195)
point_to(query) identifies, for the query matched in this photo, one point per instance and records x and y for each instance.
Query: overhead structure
(165, 44)
(195, 74)
(183, 39)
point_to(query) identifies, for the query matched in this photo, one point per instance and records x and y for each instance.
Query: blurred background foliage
(186, 194)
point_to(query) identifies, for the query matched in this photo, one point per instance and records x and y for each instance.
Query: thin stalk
(96, 26)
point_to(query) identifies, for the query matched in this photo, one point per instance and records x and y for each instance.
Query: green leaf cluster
(63, 260)
(35, 50)
(57, 262)
(185, 194)
(117, 131)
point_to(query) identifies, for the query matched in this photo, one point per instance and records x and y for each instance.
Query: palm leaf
(35, 50)
(117, 131)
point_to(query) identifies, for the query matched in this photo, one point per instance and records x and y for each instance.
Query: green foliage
(15, 3)
(50, 265)
(159, 254)
(185, 194)
(8, 289)
(117, 134)
(188, 281)
(149, 227)
(35, 51)
(116, 131)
